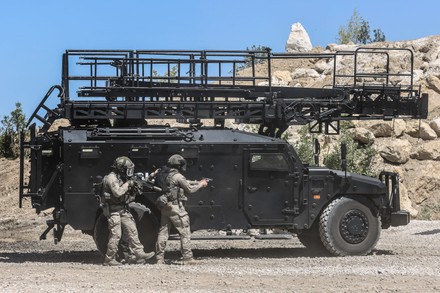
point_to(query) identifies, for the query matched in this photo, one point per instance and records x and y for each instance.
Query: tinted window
(268, 162)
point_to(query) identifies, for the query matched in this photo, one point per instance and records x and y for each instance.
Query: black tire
(100, 234)
(349, 227)
(146, 223)
(311, 240)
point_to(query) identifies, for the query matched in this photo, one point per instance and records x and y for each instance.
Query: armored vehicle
(127, 103)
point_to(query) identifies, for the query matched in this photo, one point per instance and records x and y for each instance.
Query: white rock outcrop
(299, 40)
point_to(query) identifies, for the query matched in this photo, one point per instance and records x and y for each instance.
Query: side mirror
(316, 151)
(343, 156)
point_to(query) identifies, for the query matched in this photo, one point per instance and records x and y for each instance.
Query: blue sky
(34, 34)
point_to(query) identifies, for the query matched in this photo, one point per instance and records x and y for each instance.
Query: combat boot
(112, 263)
(160, 260)
(143, 257)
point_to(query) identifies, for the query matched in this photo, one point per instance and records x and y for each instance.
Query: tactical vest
(174, 193)
(115, 203)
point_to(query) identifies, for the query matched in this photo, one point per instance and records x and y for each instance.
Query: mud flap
(400, 218)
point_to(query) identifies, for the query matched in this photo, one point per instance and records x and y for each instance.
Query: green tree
(359, 156)
(10, 132)
(247, 60)
(358, 31)
(304, 146)
(363, 36)
(379, 36)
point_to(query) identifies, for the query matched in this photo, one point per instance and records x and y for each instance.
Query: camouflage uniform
(174, 213)
(120, 219)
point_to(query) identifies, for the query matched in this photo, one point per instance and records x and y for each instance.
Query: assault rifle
(141, 184)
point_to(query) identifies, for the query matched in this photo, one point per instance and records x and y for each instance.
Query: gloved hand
(131, 184)
(168, 206)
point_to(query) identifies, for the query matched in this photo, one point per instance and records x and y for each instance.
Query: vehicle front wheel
(349, 227)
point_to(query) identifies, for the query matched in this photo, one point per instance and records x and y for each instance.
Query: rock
(299, 40)
(427, 151)
(59, 123)
(420, 130)
(423, 182)
(418, 75)
(405, 201)
(399, 127)
(362, 135)
(341, 47)
(396, 151)
(281, 78)
(435, 125)
(382, 129)
(434, 82)
(305, 73)
(323, 67)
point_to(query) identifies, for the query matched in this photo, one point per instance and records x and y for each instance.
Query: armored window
(268, 162)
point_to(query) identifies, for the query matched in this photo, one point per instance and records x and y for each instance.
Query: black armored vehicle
(122, 106)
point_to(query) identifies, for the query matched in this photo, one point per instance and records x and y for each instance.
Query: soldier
(173, 212)
(117, 186)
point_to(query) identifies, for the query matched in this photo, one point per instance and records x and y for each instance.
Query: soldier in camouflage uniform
(173, 212)
(119, 217)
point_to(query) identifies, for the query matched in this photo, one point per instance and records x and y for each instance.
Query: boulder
(382, 129)
(420, 129)
(304, 73)
(281, 78)
(434, 66)
(62, 122)
(405, 201)
(323, 67)
(396, 151)
(424, 185)
(434, 82)
(399, 127)
(435, 125)
(362, 135)
(299, 40)
(427, 151)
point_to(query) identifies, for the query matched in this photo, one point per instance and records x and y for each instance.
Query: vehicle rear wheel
(146, 223)
(349, 227)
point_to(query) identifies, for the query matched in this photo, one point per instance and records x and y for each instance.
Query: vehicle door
(268, 187)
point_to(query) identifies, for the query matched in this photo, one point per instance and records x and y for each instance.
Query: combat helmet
(178, 162)
(124, 166)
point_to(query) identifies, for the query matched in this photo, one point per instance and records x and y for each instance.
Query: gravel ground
(406, 259)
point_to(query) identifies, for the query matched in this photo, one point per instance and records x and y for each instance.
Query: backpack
(102, 197)
(161, 179)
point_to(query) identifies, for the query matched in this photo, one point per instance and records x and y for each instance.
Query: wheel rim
(354, 226)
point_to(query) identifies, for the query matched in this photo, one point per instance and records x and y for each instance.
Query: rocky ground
(406, 259)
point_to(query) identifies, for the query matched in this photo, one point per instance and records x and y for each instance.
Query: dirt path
(406, 259)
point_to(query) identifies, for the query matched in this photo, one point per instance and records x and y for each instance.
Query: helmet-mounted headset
(124, 166)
